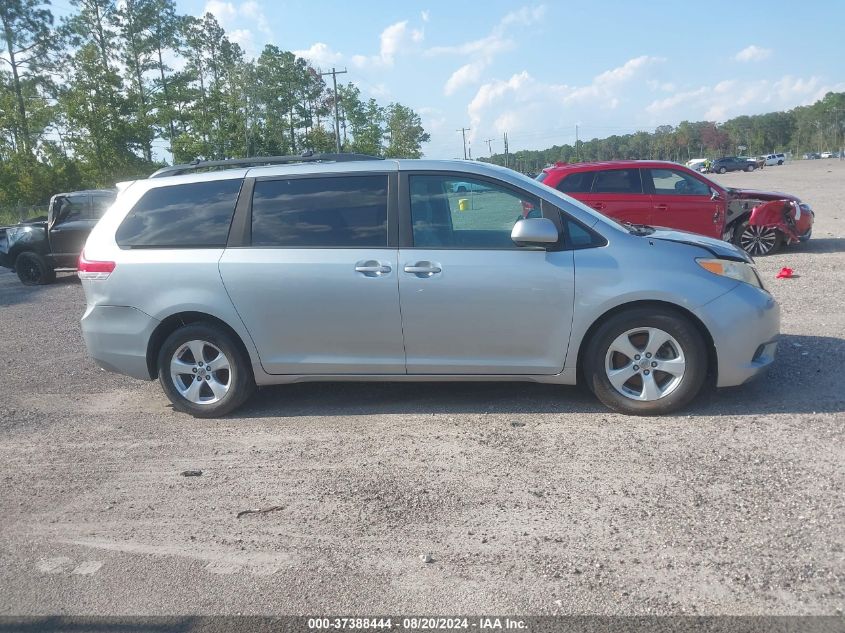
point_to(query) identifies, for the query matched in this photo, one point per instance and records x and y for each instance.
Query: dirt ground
(531, 499)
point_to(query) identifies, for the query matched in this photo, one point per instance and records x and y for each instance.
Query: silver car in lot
(341, 268)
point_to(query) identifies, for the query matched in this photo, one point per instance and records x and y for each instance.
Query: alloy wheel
(758, 240)
(201, 372)
(645, 364)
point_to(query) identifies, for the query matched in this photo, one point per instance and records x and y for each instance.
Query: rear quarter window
(193, 215)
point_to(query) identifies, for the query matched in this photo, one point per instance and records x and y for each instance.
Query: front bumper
(744, 324)
(117, 339)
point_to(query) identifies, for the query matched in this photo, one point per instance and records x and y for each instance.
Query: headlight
(735, 270)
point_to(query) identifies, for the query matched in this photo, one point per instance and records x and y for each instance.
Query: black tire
(780, 162)
(722, 170)
(751, 168)
(757, 241)
(684, 333)
(239, 376)
(33, 270)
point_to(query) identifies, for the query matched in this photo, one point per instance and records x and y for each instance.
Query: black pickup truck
(37, 248)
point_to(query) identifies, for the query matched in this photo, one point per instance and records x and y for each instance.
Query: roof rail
(257, 161)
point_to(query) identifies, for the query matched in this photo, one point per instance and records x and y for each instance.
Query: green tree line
(813, 128)
(103, 94)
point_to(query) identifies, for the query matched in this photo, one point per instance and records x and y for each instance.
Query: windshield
(541, 176)
(715, 184)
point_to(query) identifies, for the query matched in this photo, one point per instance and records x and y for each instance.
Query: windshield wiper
(638, 229)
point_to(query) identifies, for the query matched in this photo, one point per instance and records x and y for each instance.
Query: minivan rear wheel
(203, 371)
(646, 361)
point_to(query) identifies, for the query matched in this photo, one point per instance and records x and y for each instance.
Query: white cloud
(320, 55)
(396, 39)
(604, 85)
(466, 75)
(244, 38)
(251, 9)
(753, 54)
(223, 11)
(522, 102)
(730, 98)
(526, 16)
(666, 86)
(238, 20)
(483, 50)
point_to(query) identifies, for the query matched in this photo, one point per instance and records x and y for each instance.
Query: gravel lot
(531, 499)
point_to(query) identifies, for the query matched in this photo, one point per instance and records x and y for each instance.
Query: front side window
(670, 182)
(618, 181)
(70, 208)
(194, 215)
(453, 212)
(331, 211)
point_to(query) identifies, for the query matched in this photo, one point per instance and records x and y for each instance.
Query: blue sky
(536, 70)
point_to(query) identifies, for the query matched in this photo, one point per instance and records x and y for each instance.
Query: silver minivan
(219, 277)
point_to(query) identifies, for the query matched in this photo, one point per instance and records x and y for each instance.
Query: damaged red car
(661, 193)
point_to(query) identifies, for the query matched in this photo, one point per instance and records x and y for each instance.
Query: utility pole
(469, 148)
(577, 155)
(334, 73)
(489, 146)
(505, 138)
(463, 132)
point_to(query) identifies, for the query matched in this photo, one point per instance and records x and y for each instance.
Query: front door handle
(598, 205)
(423, 269)
(372, 268)
(661, 207)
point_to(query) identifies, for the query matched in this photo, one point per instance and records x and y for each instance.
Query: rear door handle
(423, 269)
(599, 205)
(661, 207)
(372, 268)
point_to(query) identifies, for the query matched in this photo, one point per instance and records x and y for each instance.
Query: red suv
(667, 194)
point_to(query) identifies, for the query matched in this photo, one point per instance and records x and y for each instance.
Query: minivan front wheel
(203, 371)
(646, 362)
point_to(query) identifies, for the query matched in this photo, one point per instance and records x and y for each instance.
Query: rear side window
(343, 211)
(195, 215)
(618, 181)
(99, 205)
(580, 182)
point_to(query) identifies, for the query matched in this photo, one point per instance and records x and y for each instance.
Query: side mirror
(714, 195)
(534, 231)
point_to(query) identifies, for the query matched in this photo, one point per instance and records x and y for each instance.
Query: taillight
(87, 269)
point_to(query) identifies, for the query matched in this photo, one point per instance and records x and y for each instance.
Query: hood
(717, 248)
(761, 195)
